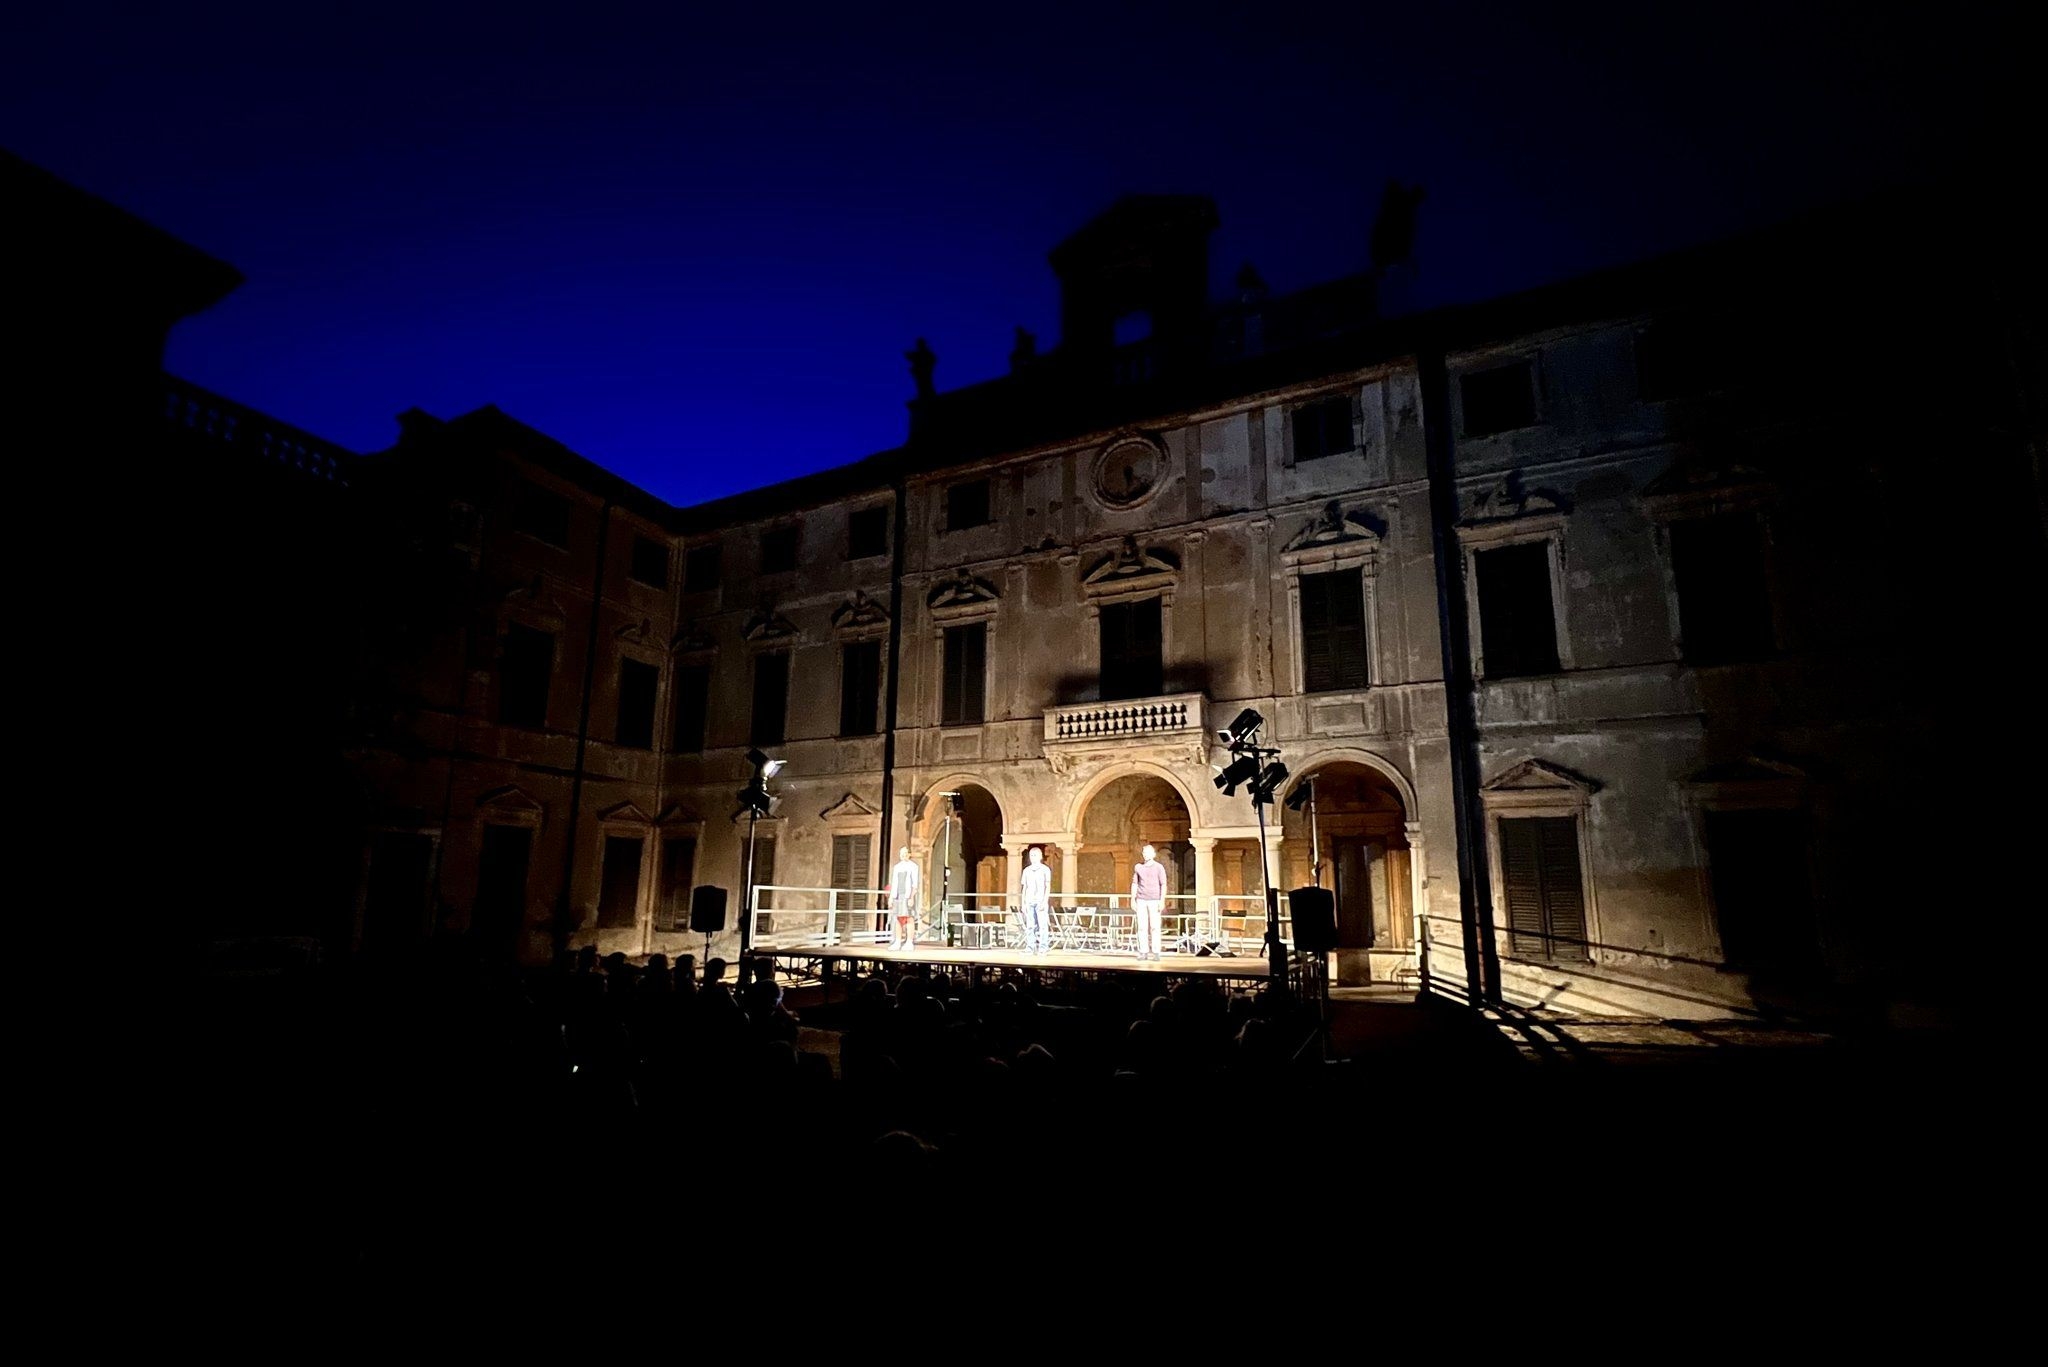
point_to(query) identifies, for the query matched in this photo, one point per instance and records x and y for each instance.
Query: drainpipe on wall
(883, 856)
(561, 924)
(1475, 895)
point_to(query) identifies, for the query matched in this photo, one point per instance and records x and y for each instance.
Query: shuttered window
(1517, 622)
(771, 698)
(850, 868)
(1131, 663)
(966, 665)
(860, 678)
(678, 873)
(1539, 858)
(1333, 644)
(619, 894)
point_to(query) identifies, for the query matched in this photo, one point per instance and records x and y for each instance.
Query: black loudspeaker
(707, 910)
(1314, 912)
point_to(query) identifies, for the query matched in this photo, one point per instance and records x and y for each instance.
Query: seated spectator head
(714, 971)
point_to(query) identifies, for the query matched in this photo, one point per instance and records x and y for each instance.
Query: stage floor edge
(1243, 966)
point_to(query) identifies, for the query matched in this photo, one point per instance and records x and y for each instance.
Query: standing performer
(904, 881)
(1037, 893)
(1148, 899)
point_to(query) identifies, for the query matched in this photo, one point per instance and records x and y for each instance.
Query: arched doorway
(964, 837)
(1123, 816)
(1360, 833)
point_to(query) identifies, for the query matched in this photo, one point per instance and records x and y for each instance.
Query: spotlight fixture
(1304, 794)
(1268, 783)
(768, 768)
(1243, 769)
(755, 797)
(1240, 731)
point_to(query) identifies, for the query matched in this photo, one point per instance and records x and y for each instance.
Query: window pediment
(1539, 776)
(850, 809)
(624, 814)
(676, 815)
(1693, 488)
(859, 616)
(534, 603)
(962, 595)
(640, 633)
(766, 626)
(1512, 501)
(1131, 569)
(693, 639)
(1336, 535)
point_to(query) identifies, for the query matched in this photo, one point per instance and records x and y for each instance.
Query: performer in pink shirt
(1148, 899)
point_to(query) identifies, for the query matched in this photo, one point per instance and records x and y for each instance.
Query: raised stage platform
(826, 961)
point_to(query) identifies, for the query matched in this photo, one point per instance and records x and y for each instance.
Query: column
(1205, 883)
(1013, 872)
(1070, 865)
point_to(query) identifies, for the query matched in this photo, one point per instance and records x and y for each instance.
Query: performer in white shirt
(904, 881)
(1036, 884)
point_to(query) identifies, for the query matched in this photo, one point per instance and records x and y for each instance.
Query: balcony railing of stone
(1127, 718)
(209, 417)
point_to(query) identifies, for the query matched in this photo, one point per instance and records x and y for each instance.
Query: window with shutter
(850, 868)
(619, 892)
(1131, 650)
(693, 699)
(1333, 638)
(678, 874)
(860, 669)
(1724, 605)
(965, 665)
(1546, 900)
(1517, 622)
(771, 698)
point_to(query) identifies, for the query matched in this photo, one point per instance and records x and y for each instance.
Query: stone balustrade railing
(1127, 718)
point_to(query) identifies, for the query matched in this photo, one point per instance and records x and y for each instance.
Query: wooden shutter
(850, 868)
(771, 698)
(1521, 864)
(1546, 900)
(678, 873)
(966, 662)
(1333, 640)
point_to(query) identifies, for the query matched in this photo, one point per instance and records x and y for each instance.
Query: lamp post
(758, 802)
(1258, 767)
(946, 867)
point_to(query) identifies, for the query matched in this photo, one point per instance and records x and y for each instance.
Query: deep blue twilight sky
(694, 245)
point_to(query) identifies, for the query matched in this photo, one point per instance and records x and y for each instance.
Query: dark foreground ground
(381, 1131)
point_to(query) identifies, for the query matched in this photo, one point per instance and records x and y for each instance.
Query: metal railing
(788, 917)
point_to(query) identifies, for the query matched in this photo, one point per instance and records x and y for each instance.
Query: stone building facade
(1583, 610)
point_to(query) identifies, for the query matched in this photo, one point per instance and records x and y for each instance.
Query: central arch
(1122, 816)
(1126, 769)
(961, 841)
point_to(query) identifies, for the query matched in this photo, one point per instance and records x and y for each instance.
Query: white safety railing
(787, 917)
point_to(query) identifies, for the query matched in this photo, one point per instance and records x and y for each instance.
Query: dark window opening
(618, 896)
(1323, 428)
(1724, 604)
(700, 569)
(1546, 899)
(860, 677)
(650, 562)
(771, 698)
(1517, 623)
(1499, 400)
(1763, 893)
(499, 913)
(850, 868)
(1334, 650)
(1131, 650)
(678, 876)
(541, 514)
(693, 705)
(396, 908)
(966, 663)
(967, 505)
(524, 673)
(867, 533)
(778, 549)
(1678, 360)
(638, 683)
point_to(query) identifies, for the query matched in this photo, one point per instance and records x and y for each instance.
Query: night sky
(694, 246)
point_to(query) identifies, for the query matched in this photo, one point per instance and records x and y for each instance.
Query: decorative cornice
(1334, 526)
(1535, 775)
(1511, 501)
(1129, 566)
(766, 624)
(859, 613)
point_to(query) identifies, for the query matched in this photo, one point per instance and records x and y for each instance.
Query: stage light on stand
(757, 802)
(1241, 731)
(1268, 783)
(1243, 769)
